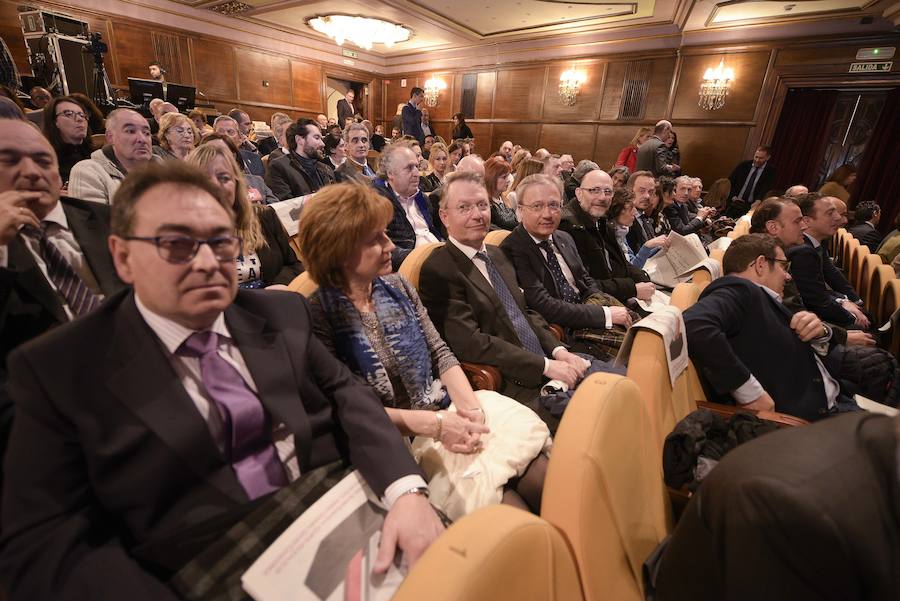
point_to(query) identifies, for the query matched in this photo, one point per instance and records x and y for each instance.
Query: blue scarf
(403, 334)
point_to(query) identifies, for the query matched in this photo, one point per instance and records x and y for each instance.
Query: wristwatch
(418, 490)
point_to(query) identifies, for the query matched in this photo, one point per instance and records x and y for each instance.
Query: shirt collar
(466, 249)
(769, 291)
(815, 243)
(58, 216)
(537, 240)
(173, 334)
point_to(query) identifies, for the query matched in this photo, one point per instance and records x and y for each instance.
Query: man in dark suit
(802, 513)
(552, 276)
(585, 220)
(867, 215)
(147, 429)
(680, 218)
(651, 155)
(411, 116)
(643, 187)
(300, 172)
(345, 108)
(753, 350)
(473, 298)
(356, 167)
(750, 180)
(42, 286)
(824, 290)
(227, 126)
(245, 126)
(398, 181)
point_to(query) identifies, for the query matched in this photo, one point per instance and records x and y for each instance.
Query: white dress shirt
(750, 390)
(62, 238)
(482, 267)
(567, 273)
(171, 335)
(416, 220)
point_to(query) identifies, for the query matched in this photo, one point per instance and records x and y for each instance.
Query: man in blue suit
(411, 116)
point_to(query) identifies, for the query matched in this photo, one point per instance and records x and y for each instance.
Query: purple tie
(247, 433)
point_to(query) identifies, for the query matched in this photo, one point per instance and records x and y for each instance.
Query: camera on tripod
(97, 46)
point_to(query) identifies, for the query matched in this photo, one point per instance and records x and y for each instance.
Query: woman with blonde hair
(375, 323)
(267, 259)
(177, 137)
(718, 195)
(519, 156)
(628, 156)
(438, 165)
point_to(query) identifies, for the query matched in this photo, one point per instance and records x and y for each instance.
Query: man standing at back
(651, 154)
(128, 145)
(750, 180)
(411, 116)
(345, 108)
(300, 172)
(146, 430)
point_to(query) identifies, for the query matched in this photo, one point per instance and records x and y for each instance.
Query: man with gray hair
(398, 181)
(679, 215)
(278, 122)
(356, 167)
(227, 126)
(651, 154)
(128, 145)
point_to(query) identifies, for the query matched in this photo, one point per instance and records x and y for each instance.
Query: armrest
(482, 377)
(558, 331)
(782, 420)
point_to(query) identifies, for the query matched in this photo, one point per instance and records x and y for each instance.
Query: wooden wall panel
(525, 134)
(306, 86)
(134, 50)
(711, 152)
(173, 52)
(577, 140)
(442, 111)
(11, 32)
(520, 92)
(482, 134)
(254, 68)
(376, 93)
(661, 74)
(442, 129)
(484, 95)
(612, 90)
(394, 95)
(587, 105)
(214, 68)
(749, 71)
(611, 139)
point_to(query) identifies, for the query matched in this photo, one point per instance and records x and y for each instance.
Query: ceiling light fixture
(433, 89)
(365, 32)
(569, 85)
(715, 85)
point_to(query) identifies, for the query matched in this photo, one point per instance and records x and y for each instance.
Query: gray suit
(651, 156)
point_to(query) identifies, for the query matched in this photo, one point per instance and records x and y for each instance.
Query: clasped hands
(567, 367)
(461, 432)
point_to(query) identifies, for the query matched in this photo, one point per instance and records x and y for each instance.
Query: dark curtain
(878, 177)
(801, 136)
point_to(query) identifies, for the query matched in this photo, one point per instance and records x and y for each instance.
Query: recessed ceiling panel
(741, 10)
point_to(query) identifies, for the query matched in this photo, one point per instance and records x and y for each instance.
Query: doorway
(852, 123)
(336, 89)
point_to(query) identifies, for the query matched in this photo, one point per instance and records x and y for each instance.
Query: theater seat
(858, 254)
(890, 303)
(303, 284)
(412, 264)
(883, 274)
(870, 264)
(497, 553)
(496, 237)
(686, 294)
(604, 488)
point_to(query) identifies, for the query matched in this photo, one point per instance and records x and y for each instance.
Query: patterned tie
(562, 284)
(78, 295)
(747, 189)
(246, 429)
(523, 329)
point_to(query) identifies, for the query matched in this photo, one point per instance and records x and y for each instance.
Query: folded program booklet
(675, 264)
(327, 554)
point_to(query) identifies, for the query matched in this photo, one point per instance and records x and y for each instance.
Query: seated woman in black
(267, 259)
(66, 126)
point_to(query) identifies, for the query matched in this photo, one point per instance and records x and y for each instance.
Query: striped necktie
(78, 295)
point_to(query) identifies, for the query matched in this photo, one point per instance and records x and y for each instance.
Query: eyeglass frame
(785, 263)
(466, 209)
(70, 114)
(155, 240)
(596, 190)
(538, 207)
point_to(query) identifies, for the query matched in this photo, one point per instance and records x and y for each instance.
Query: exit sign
(883, 67)
(349, 53)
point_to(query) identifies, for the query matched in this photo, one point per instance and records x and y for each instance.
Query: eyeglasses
(539, 207)
(785, 264)
(598, 190)
(466, 209)
(73, 115)
(183, 249)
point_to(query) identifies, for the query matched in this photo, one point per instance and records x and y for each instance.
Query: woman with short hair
(177, 137)
(438, 168)
(839, 182)
(497, 180)
(460, 128)
(267, 259)
(375, 323)
(628, 156)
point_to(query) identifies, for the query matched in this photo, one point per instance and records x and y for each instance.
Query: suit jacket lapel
(266, 355)
(90, 236)
(145, 381)
(33, 281)
(537, 257)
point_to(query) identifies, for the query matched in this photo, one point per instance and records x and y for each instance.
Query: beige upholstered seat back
(497, 553)
(303, 284)
(413, 262)
(496, 237)
(604, 488)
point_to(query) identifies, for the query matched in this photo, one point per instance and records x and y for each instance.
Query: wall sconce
(433, 88)
(569, 85)
(714, 88)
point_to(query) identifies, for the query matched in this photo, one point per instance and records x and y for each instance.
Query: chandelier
(569, 85)
(433, 89)
(714, 88)
(362, 31)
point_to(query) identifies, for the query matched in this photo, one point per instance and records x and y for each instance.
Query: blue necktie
(527, 337)
(562, 284)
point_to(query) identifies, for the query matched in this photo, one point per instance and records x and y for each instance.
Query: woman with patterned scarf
(476, 447)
